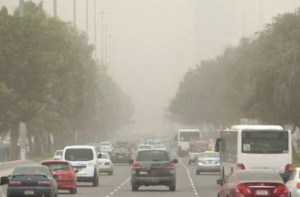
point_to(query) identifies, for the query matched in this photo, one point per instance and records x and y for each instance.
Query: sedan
(105, 164)
(65, 175)
(120, 155)
(32, 180)
(208, 161)
(293, 184)
(254, 183)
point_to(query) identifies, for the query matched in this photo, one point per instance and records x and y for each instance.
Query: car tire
(197, 172)
(96, 182)
(134, 188)
(73, 190)
(172, 188)
(111, 173)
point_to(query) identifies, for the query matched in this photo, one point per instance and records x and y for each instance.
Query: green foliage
(260, 78)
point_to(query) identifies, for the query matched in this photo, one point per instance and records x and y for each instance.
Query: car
(193, 157)
(66, 176)
(83, 158)
(32, 180)
(293, 183)
(3, 181)
(106, 147)
(241, 183)
(153, 141)
(159, 147)
(58, 154)
(121, 155)
(208, 161)
(153, 167)
(144, 147)
(105, 164)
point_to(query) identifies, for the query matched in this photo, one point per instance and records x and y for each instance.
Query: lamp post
(55, 8)
(74, 12)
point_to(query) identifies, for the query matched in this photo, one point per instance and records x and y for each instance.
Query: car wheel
(111, 173)
(172, 188)
(198, 172)
(73, 190)
(96, 182)
(134, 187)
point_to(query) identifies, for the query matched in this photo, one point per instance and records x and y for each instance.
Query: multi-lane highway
(188, 184)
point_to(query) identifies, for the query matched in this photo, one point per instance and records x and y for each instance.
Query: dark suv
(153, 167)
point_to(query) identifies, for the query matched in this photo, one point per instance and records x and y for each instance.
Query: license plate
(262, 192)
(143, 172)
(29, 192)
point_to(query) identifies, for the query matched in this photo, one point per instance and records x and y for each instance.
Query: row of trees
(258, 79)
(50, 81)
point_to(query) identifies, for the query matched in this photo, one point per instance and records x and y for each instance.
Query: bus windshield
(265, 142)
(189, 136)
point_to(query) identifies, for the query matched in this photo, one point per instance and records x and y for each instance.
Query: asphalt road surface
(188, 184)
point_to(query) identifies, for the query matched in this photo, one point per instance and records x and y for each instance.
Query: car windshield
(79, 154)
(59, 166)
(104, 156)
(153, 156)
(30, 170)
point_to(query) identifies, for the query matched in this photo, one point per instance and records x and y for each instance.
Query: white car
(293, 184)
(144, 147)
(58, 154)
(105, 164)
(106, 147)
(159, 147)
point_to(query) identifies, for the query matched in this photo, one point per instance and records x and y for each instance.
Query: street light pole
(21, 8)
(87, 18)
(74, 12)
(95, 21)
(55, 8)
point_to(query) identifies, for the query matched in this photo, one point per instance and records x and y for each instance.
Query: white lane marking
(118, 187)
(190, 178)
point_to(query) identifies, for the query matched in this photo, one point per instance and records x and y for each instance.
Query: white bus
(184, 137)
(255, 147)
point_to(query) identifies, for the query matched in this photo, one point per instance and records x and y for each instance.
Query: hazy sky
(153, 43)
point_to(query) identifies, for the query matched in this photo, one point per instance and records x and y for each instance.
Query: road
(188, 184)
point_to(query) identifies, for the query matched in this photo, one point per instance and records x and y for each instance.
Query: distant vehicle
(105, 164)
(293, 184)
(83, 158)
(144, 147)
(184, 137)
(66, 176)
(196, 147)
(254, 183)
(154, 141)
(106, 147)
(121, 155)
(159, 147)
(208, 161)
(3, 181)
(58, 154)
(153, 167)
(255, 147)
(121, 144)
(32, 180)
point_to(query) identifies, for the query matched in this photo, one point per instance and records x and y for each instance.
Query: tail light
(288, 168)
(243, 189)
(44, 183)
(136, 166)
(281, 189)
(298, 185)
(14, 184)
(170, 165)
(240, 166)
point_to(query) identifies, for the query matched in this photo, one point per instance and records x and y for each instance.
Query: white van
(84, 159)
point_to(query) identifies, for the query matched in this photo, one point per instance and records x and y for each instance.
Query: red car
(66, 176)
(252, 183)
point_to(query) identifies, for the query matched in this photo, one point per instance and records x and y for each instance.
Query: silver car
(208, 161)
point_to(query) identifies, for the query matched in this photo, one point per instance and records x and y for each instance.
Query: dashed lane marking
(190, 178)
(118, 187)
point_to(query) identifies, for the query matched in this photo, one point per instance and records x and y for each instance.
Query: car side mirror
(4, 180)
(175, 160)
(130, 161)
(220, 182)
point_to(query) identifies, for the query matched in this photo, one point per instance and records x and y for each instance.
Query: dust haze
(150, 44)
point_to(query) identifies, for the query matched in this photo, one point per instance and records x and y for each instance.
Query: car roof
(55, 161)
(80, 146)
